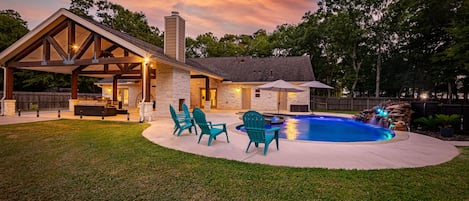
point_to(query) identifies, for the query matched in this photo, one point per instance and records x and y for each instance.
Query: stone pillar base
(71, 104)
(10, 107)
(146, 112)
(207, 106)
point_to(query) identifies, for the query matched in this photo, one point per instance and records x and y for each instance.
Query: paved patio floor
(407, 150)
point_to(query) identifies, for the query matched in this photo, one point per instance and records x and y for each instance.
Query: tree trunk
(450, 92)
(378, 74)
(356, 67)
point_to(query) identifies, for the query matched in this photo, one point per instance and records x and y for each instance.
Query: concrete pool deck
(408, 150)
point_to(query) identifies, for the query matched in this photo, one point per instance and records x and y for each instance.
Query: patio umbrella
(316, 84)
(280, 86)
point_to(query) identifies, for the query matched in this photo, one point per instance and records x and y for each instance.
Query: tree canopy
(371, 48)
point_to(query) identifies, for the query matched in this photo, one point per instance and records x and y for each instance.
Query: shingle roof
(248, 69)
(236, 69)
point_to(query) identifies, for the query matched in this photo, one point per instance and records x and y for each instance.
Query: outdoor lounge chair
(186, 114)
(181, 126)
(207, 127)
(254, 123)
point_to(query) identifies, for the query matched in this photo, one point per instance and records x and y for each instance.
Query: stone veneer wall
(231, 99)
(172, 84)
(298, 98)
(267, 101)
(228, 97)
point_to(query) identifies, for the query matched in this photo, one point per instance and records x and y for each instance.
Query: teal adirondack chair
(187, 114)
(207, 128)
(254, 123)
(181, 126)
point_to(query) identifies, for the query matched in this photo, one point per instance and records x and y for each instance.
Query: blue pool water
(330, 129)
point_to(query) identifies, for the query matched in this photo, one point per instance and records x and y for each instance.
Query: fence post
(327, 102)
(351, 103)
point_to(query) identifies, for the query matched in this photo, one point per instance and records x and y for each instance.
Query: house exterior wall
(135, 94)
(298, 98)
(172, 84)
(230, 97)
(268, 100)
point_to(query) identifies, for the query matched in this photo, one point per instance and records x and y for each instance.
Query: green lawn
(100, 160)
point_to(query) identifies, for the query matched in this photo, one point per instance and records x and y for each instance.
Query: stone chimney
(175, 37)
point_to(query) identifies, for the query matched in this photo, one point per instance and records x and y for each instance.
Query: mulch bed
(436, 134)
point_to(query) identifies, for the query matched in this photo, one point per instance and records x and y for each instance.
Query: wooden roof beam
(109, 72)
(79, 62)
(86, 44)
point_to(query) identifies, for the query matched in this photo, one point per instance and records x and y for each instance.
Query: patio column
(9, 102)
(207, 95)
(74, 84)
(9, 83)
(146, 108)
(147, 82)
(74, 92)
(114, 89)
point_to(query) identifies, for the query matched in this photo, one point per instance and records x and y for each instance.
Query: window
(258, 93)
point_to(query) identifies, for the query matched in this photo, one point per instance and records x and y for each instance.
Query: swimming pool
(329, 129)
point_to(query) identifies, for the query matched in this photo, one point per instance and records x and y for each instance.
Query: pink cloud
(202, 16)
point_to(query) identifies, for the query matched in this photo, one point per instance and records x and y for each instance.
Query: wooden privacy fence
(348, 103)
(45, 100)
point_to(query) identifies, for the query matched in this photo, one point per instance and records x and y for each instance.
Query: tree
(82, 7)
(119, 18)
(425, 37)
(12, 28)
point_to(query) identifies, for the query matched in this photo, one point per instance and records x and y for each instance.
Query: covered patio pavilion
(70, 44)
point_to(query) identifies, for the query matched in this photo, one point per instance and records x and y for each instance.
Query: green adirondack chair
(254, 123)
(207, 128)
(181, 126)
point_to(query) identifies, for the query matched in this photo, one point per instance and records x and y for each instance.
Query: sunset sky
(202, 16)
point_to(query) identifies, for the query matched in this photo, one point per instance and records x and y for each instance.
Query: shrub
(428, 123)
(447, 121)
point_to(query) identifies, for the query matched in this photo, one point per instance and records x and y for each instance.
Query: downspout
(4, 85)
(144, 82)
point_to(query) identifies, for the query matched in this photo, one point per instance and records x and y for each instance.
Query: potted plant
(446, 122)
